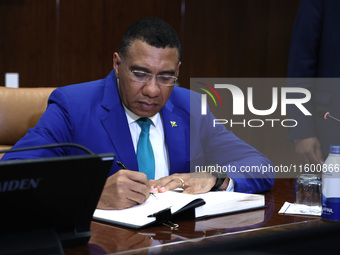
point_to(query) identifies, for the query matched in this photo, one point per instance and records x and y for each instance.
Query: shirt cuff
(231, 185)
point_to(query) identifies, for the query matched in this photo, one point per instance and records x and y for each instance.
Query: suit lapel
(116, 125)
(176, 132)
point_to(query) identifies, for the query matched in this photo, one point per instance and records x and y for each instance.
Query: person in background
(315, 53)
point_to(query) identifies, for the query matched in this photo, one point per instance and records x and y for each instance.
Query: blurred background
(53, 43)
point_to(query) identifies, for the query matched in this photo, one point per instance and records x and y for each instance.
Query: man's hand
(309, 150)
(192, 183)
(124, 189)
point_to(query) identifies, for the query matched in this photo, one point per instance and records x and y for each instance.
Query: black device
(49, 202)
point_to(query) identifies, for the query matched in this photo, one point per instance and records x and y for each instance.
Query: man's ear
(116, 63)
(177, 71)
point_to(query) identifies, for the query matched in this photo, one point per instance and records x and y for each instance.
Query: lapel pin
(173, 123)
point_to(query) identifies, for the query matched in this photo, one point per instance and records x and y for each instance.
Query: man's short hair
(155, 32)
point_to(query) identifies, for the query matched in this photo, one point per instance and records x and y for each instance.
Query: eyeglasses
(140, 76)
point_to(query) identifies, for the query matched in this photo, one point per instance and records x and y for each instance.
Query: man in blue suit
(103, 116)
(315, 53)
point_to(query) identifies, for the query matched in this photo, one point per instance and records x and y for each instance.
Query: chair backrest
(20, 109)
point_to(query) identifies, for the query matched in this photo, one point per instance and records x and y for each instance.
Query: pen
(121, 165)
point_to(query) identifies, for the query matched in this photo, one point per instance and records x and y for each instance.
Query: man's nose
(151, 88)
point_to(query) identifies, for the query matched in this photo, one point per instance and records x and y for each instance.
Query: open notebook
(172, 205)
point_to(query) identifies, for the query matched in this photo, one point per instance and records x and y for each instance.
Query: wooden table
(107, 239)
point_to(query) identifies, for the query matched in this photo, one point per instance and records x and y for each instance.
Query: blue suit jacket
(91, 114)
(315, 52)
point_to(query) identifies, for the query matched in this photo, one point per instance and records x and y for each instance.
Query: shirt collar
(131, 117)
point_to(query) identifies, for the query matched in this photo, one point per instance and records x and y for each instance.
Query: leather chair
(20, 109)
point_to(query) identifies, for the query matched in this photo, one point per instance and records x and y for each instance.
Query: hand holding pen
(124, 189)
(122, 166)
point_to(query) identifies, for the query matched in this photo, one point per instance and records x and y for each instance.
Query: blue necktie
(145, 157)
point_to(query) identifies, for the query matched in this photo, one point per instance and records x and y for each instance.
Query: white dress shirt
(157, 139)
(158, 143)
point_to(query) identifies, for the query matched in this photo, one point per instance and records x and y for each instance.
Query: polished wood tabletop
(110, 239)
